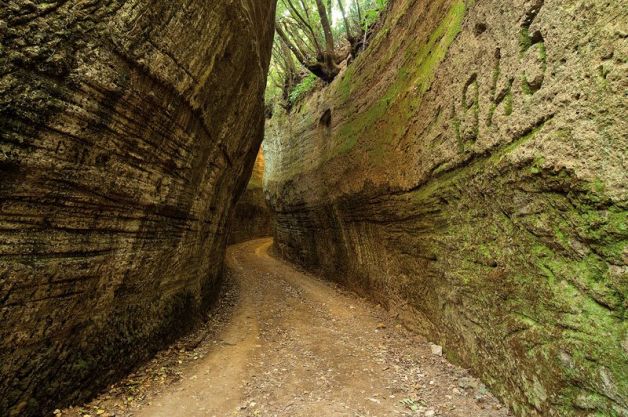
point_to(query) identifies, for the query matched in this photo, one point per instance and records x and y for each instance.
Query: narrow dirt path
(297, 346)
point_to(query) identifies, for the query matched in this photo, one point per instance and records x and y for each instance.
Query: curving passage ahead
(297, 346)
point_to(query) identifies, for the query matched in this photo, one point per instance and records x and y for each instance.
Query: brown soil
(288, 344)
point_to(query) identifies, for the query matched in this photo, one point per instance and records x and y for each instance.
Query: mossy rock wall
(127, 130)
(473, 179)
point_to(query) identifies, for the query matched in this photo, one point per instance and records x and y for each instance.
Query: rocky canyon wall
(252, 216)
(127, 129)
(469, 171)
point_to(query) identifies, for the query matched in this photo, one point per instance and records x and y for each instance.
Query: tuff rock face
(127, 130)
(252, 216)
(469, 171)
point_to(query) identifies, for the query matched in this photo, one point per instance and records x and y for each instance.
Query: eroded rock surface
(127, 129)
(469, 170)
(252, 216)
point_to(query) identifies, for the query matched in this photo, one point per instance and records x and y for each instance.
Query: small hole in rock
(325, 120)
(480, 28)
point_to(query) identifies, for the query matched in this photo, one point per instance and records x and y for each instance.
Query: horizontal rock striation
(469, 171)
(127, 129)
(252, 217)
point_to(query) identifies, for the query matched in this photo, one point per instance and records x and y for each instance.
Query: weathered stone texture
(252, 217)
(473, 178)
(127, 129)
